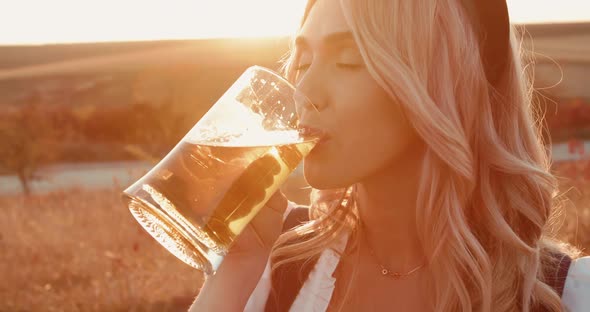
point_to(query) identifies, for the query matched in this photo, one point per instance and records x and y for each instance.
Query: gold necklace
(387, 272)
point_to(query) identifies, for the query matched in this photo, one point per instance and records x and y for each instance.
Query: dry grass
(83, 251)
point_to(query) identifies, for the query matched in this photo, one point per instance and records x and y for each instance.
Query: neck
(387, 208)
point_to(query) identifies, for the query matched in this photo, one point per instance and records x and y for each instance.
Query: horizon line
(229, 37)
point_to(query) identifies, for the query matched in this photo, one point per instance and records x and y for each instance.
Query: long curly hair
(487, 191)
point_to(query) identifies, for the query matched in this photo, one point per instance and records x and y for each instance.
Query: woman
(431, 186)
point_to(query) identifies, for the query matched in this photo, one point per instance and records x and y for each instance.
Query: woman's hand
(233, 283)
(258, 237)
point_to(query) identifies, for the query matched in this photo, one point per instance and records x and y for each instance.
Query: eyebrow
(331, 39)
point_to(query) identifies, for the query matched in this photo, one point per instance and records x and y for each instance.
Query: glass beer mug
(200, 196)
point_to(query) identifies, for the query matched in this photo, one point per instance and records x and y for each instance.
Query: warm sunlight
(116, 20)
(32, 21)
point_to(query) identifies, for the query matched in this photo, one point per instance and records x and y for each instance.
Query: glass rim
(272, 72)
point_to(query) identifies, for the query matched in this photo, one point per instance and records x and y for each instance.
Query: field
(82, 251)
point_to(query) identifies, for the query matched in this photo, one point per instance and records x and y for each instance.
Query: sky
(62, 21)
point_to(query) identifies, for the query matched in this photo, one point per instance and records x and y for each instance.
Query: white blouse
(315, 294)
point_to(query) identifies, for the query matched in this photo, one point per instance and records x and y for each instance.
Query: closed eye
(349, 66)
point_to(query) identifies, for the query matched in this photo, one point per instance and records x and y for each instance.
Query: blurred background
(94, 93)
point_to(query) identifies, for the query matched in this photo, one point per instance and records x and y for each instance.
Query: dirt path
(86, 175)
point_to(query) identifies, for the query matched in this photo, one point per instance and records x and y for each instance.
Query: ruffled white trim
(576, 292)
(318, 288)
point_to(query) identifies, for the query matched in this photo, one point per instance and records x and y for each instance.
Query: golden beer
(200, 197)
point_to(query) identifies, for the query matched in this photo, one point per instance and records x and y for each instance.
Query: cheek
(379, 135)
(370, 132)
(376, 125)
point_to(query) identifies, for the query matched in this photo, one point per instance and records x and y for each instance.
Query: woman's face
(365, 128)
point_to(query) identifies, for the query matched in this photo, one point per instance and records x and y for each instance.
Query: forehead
(325, 18)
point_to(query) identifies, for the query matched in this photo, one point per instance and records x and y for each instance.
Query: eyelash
(302, 67)
(349, 66)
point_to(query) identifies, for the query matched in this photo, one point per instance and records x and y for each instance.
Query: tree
(26, 143)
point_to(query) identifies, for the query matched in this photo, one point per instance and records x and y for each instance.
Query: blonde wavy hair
(488, 194)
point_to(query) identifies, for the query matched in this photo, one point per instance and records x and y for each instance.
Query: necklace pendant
(384, 272)
(396, 275)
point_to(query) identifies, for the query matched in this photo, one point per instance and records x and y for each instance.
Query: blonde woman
(432, 189)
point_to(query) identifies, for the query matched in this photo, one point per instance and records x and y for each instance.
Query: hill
(186, 73)
(182, 73)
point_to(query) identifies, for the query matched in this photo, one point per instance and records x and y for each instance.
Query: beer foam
(249, 137)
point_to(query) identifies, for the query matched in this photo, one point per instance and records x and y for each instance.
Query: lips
(310, 133)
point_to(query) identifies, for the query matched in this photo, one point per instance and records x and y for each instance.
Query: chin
(322, 179)
(314, 176)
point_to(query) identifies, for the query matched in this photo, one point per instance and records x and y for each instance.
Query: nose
(311, 92)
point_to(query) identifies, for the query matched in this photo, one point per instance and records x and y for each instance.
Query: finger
(277, 202)
(268, 222)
